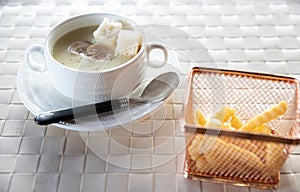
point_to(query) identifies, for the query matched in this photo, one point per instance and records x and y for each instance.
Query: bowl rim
(101, 14)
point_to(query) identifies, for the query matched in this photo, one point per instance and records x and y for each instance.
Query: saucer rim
(25, 69)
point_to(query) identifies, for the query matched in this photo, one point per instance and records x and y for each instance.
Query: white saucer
(38, 95)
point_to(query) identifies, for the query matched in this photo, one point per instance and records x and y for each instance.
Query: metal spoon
(157, 90)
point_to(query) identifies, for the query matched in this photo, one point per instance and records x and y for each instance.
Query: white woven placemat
(252, 35)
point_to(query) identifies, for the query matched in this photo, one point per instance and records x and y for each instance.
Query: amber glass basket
(235, 157)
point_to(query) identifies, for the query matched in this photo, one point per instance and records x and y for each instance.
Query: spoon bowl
(161, 87)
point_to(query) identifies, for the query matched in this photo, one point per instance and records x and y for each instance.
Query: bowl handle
(35, 58)
(155, 63)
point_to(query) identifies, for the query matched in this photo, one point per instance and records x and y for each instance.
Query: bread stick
(194, 148)
(213, 154)
(224, 114)
(213, 123)
(199, 118)
(202, 165)
(264, 129)
(236, 122)
(234, 155)
(227, 126)
(265, 117)
(217, 124)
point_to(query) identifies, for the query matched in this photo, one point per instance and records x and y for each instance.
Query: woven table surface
(245, 35)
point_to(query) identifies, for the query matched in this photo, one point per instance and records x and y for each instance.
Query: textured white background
(253, 35)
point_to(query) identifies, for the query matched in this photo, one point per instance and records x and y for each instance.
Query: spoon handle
(80, 111)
